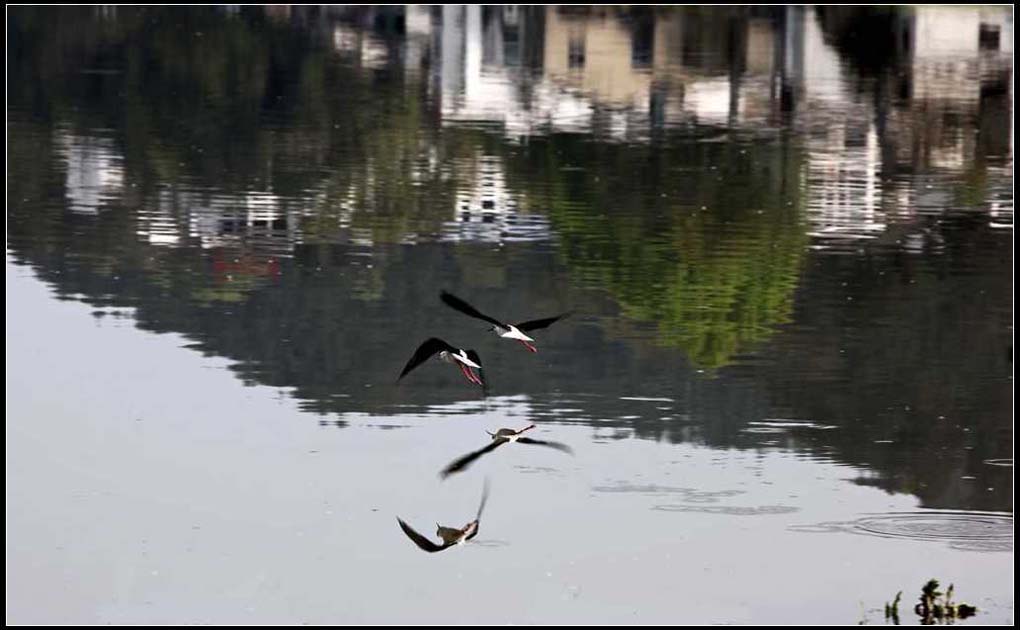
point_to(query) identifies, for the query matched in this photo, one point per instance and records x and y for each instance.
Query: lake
(783, 237)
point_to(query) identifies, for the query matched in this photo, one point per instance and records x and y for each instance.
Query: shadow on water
(754, 220)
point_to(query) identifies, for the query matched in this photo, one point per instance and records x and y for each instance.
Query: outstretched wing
(424, 351)
(458, 304)
(535, 324)
(559, 446)
(474, 525)
(423, 543)
(485, 498)
(466, 460)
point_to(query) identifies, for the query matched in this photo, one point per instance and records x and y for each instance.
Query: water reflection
(451, 536)
(753, 217)
(95, 173)
(499, 438)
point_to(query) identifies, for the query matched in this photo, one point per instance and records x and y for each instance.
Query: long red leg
(528, 345)
(468, 374)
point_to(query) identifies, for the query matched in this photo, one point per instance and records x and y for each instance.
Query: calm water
(785, 234)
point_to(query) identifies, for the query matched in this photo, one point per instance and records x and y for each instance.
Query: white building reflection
(256, 221)
(608, 71)
(488, 211)
(94, 175)
(626, 75)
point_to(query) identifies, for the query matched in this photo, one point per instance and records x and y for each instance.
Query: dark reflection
(873, 39)
(450, 535)
(499, 438)
(752, 219)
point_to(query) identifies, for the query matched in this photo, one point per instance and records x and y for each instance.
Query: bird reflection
(499, 438)
(450, 535)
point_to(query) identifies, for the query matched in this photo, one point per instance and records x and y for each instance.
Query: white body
(513, 332)
(458, 356)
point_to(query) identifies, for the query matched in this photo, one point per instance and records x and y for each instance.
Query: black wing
(458, 304)
(485, 498)
(476, 524)
(535, 324)
(424, 351)
(465, 461)
(423, 543)
(559, 446)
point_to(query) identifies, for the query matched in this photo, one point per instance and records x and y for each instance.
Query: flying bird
(507, 331)
(450, 535)
(464, 359)
(499, 438)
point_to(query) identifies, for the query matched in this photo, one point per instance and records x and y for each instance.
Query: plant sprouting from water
(892, 611)
(937, 607)
(932, 607)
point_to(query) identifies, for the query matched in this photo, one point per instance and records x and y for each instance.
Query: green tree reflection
(711, 259)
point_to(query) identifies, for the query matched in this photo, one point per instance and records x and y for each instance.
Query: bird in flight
(450, 536)
(507, 331)
(464, 359)
(499, 438)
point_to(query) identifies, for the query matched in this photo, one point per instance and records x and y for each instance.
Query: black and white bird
(450, 536)
(499, 438)
(506, 331)
(464, 359)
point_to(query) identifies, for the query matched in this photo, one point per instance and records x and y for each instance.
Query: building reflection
(487, 210)
(623, 74)
(94, 171)
(881, 144)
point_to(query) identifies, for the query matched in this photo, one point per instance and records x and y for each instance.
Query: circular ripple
(961, 529)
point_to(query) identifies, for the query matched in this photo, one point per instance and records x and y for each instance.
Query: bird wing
(559, 446)
(458, 304)
(476, 524)
(466, 460)
(481, 506)
(535, 324)
(424, 351)
(422, 542)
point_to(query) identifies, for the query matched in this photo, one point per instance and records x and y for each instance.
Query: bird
(499, 438)
(464, 359)
(450, 536)
(507, 331)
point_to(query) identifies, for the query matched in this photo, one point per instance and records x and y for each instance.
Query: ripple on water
(687, 495)
(1008, 462)
(972, 531)
(732, 510)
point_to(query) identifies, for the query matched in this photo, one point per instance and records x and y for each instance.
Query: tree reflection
(711, 259)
